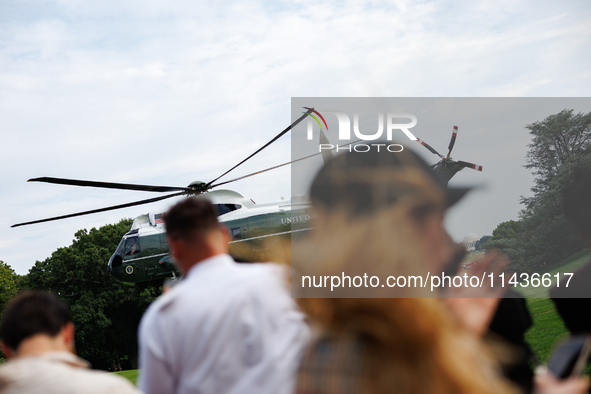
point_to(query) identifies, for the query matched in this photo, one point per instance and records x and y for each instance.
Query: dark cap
(365, 182)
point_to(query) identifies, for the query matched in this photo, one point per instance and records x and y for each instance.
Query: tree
(549, 238)
(479, 245)
(8, 289)
(507, 230)
(560, 143)
(7, 284)
(555, 140)
(542, 237)
(106, 312)
(508, 238)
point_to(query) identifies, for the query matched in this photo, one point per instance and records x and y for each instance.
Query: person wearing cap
(225, 327)
(381, 214)
(38, 339)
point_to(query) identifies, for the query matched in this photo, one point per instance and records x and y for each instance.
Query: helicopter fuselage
(143, 253)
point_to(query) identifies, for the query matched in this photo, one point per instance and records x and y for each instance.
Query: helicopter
(143, 254)
(446, 168)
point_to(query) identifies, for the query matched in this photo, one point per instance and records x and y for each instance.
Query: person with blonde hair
(380, 215)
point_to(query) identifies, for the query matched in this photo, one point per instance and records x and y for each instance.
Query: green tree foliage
(542, 237)
(479, 245)
(507, 237)
(548, 237)
(106, 312)
(513, 249)
(507, 230)
(8, 289)
(555, 141)
(7, 284)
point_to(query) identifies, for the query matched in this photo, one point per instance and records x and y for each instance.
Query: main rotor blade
(429, 147)
(108, 185)
(470, 165)
(452, 141)
(131, 204)
(264, 146)
(277, 166)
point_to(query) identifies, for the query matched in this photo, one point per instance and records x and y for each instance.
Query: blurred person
(169, 284)
(382, 213)
(510, 322)
(38, 339)
(573, 302)
(225, 327)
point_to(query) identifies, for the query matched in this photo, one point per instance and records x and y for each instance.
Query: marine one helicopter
(143, 253)
(446, 168)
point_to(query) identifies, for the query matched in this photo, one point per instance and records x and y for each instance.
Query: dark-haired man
(226, 327)
(38, 339)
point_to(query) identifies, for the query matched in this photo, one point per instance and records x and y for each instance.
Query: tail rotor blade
(470, 165)
(452, 141)
(429, 147)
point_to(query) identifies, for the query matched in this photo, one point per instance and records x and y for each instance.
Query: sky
(167, 93)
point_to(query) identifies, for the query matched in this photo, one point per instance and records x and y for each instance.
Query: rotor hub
(197, 187)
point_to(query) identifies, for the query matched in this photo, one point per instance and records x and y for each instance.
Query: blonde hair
(383, 243)
(412, 345)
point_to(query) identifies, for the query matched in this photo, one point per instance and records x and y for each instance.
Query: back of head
(576, 200)
(372, 206)
(362, 183)
(376, 213)
(31, 313)
(189, 218)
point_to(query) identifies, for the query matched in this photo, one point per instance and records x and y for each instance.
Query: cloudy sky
(166, 93)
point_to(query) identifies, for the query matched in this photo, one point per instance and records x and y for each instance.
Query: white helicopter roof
(153, 221)
(227, 197)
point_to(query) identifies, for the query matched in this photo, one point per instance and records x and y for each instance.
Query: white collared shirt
(226, 328)
(58, 373)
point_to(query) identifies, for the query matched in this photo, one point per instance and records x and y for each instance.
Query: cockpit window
(119, 250)
(132, 246)
(225, 208)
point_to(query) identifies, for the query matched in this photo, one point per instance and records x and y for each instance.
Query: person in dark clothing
(574, 302)
(510, 322)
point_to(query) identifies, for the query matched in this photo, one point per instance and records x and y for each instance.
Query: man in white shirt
(227, 327)
(38, 339)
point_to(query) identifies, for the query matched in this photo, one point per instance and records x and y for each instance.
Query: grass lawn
(548, 328)
(130, 374)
